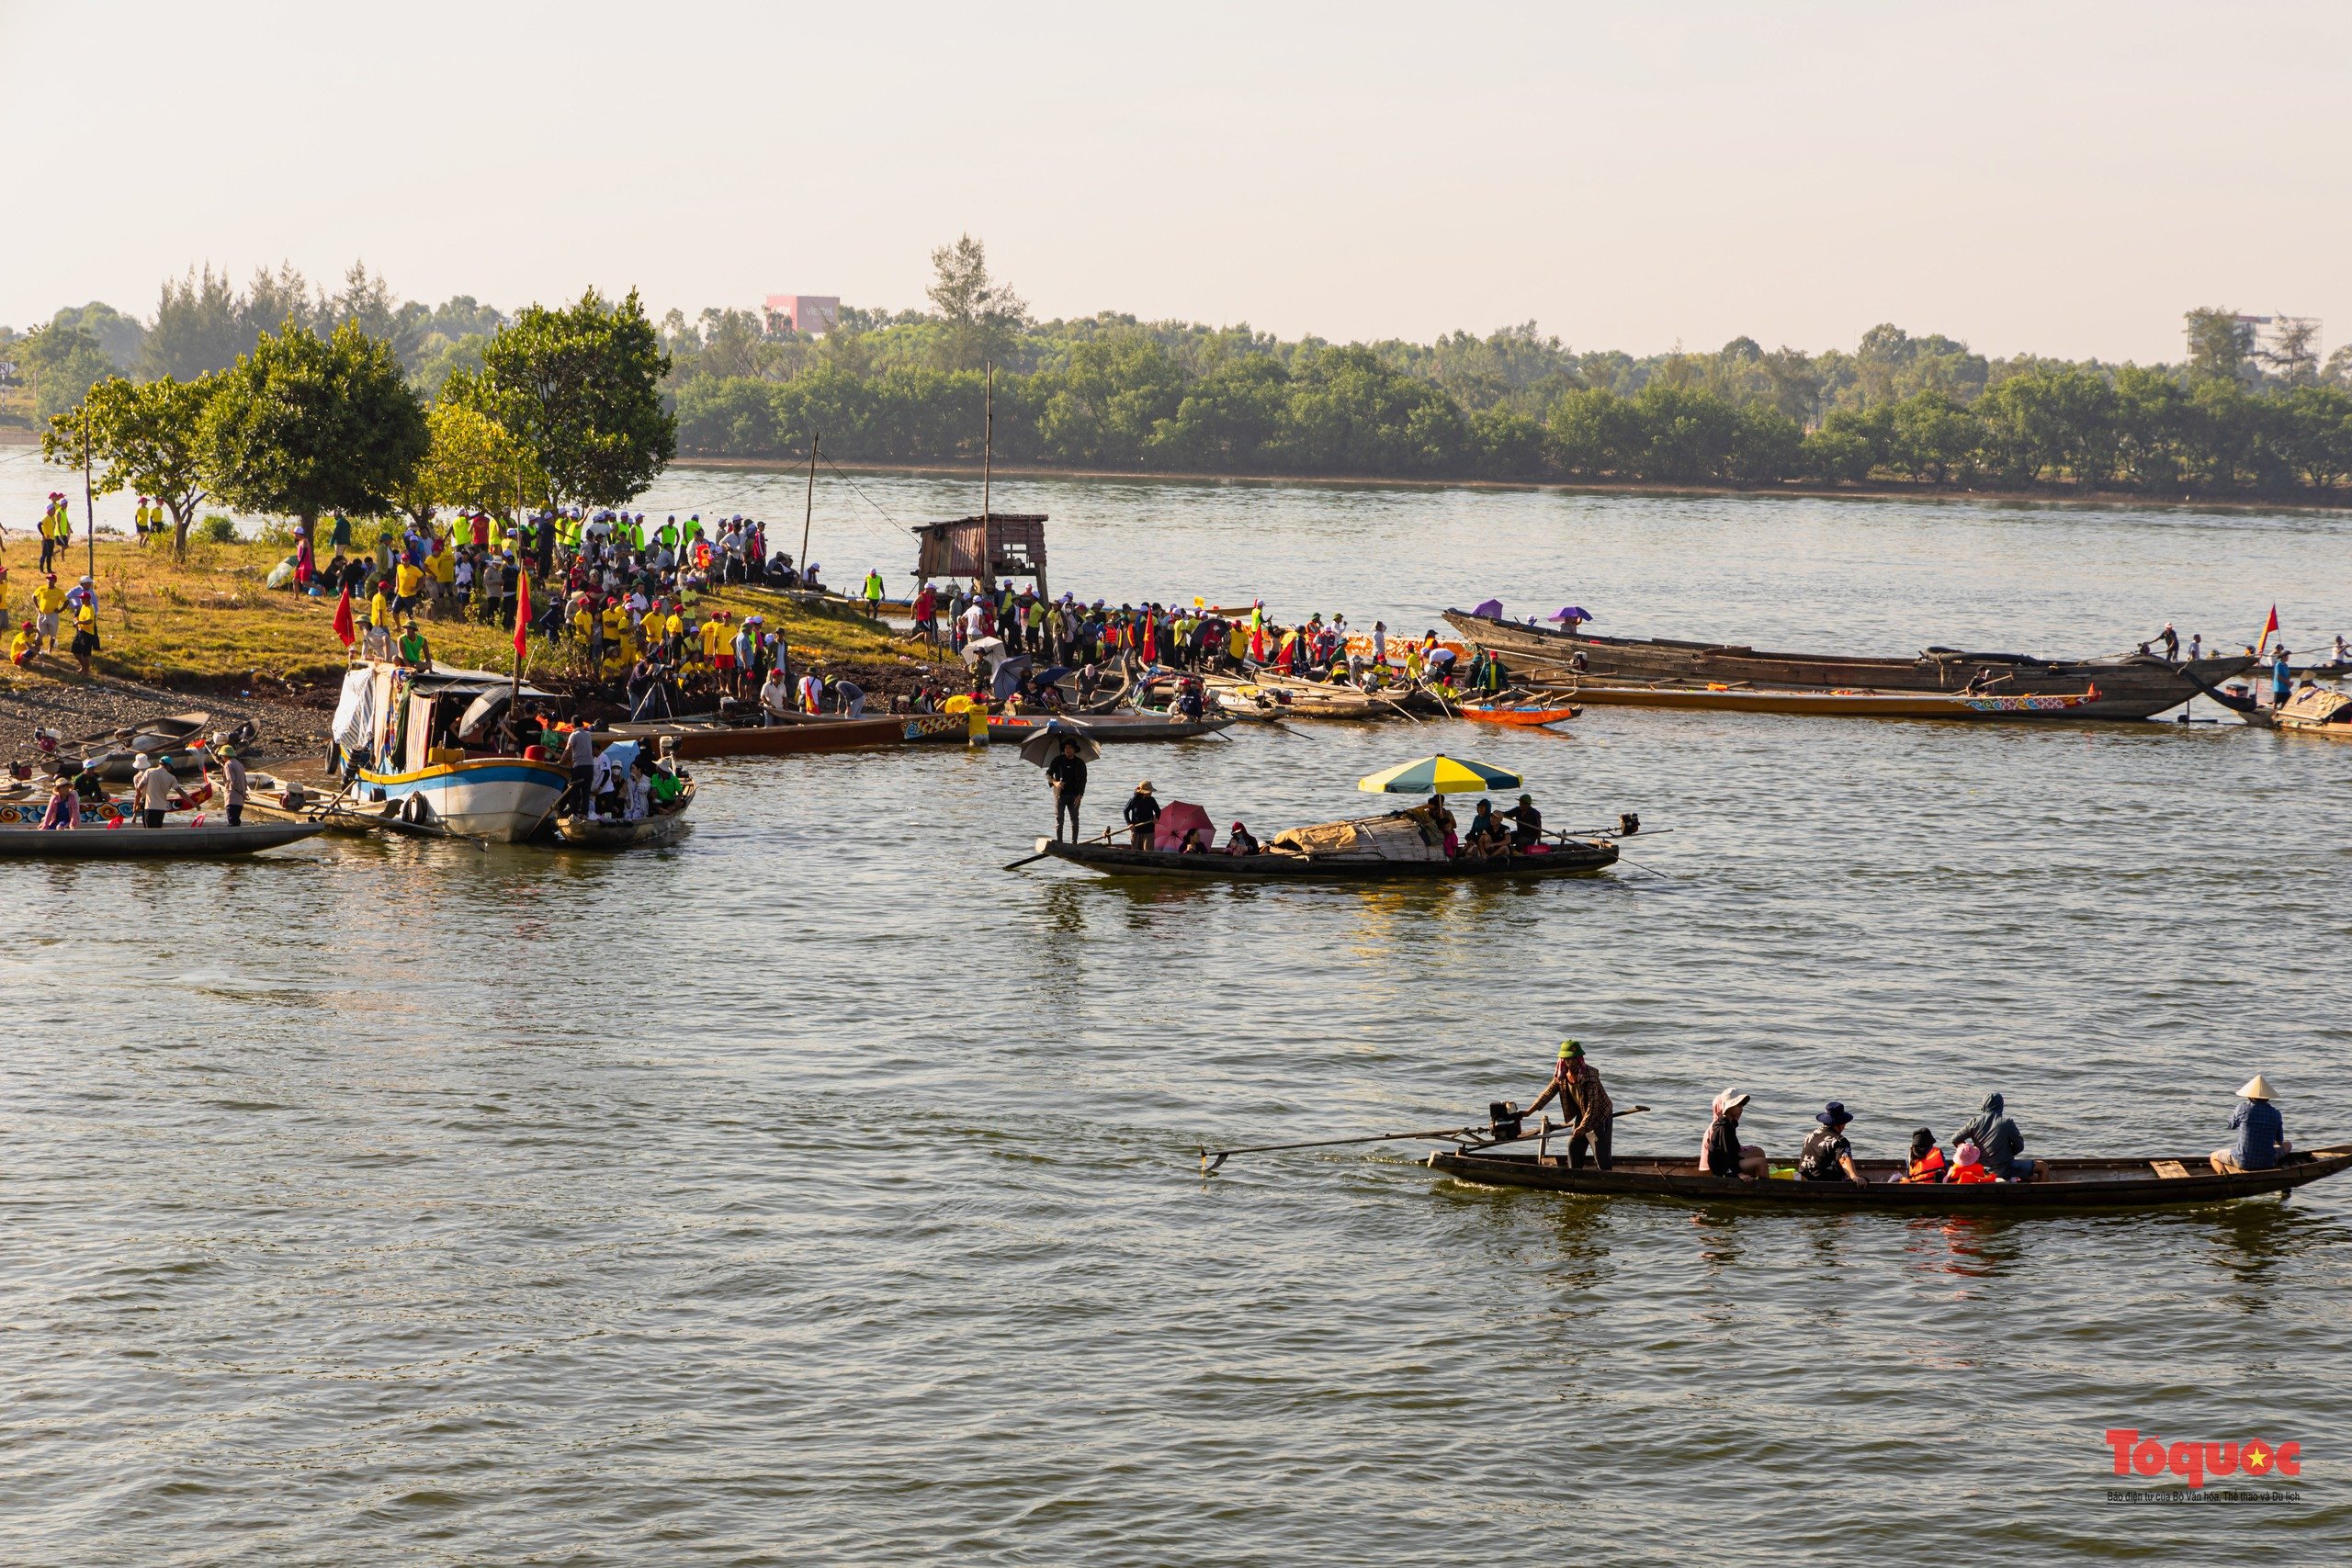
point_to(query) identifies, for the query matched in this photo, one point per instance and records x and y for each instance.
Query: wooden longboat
(2135, 686)
(702, 738)
(2070, 1184)
(1834, 705)
(1104, 728)
(1573, 858)
(209, 841)
(2315, 712)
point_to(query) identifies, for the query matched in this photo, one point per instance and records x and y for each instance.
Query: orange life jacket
(1931, 1168)
(1970, 1173)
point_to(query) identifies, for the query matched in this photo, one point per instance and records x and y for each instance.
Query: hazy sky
(2061, 177)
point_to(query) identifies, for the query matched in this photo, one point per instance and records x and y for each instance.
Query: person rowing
(1723, 1154)
(1585, 1107)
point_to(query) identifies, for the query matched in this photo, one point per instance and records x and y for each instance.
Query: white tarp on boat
(354, 712)
(1393, 837)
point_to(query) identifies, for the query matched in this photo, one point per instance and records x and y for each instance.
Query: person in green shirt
(873, 593)
(415, 652)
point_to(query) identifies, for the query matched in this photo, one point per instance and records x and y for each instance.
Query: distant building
(811, 314)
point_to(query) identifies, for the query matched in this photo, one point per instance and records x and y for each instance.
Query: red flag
(2268, 627)
(522, 613)
(343, 623)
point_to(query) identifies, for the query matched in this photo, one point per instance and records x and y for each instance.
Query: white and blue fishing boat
(423, 743)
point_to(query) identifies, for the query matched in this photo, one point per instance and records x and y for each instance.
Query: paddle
(1212, 1158)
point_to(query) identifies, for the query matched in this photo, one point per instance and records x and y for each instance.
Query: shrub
(219, 527)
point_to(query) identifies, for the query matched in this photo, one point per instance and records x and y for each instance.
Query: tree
(199, 327)
(2315, 433)
(581, 387)
(474, 464)
(2221, 347)
(149, 436)
(65, 363)
(980, 314)
(1933, 437)
(303, 425)
(120, 336)
(2292, 353)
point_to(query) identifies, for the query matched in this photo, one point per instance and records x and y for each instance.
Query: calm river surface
(818, 1192)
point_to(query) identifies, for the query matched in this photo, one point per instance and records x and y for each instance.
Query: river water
(819, 1192)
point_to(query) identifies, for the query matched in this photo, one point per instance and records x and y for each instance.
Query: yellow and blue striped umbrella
(1440, 774)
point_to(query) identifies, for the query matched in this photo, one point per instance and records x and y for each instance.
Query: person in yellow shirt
(408, 581)
(714, 632)
(25, 647)
(48, 600)
(86, 635)
(379, 607)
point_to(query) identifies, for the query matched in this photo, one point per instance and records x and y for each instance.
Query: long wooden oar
(1212, 1158)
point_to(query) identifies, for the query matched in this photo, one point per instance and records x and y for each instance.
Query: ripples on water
(818, 1192)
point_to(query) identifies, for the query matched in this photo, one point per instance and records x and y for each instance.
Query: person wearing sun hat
(1827, 1155)
(1142, 815)
(1585, 1108)
(2261, 1132)
(1723, 1154)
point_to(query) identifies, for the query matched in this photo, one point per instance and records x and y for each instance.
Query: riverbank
(208, 625)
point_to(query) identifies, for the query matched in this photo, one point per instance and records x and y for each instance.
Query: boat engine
(1628, 824)
(1503, 1117)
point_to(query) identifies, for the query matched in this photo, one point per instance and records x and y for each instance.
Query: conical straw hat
(2256, 1087)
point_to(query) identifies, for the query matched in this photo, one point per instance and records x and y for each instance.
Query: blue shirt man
(2258, 1131)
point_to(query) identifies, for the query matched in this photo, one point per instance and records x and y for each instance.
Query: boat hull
(2134, 687)
(765, 740)
(2072, 1185)
(1574, 859)
(169, 842)
(503, 799)
(1102, 728)
(1836, 705)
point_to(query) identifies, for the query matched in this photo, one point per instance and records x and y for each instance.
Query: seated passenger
(1723, 1154)
(1487, 836)
(1528, 830)
(1968, 1165)
(1240, 841)
(1827, 1155)
(2261, 1133)
(1997, 1140)
(1927, 1163)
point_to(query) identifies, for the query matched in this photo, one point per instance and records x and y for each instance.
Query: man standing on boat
(1585, 1109)
(1067, 775)
(1142, 815)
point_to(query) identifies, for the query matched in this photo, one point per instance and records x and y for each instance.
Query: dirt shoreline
(288, 723)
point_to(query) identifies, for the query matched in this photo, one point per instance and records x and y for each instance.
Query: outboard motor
(1628, 824)
(1503, 1117)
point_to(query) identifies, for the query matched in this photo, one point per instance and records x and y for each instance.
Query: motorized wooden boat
(1836, 705)
(1527, 714)
(172, 841)
(714, 738)
(2318, 711)
(913, 728)
(664, 826)
(2135, 686)
(1267, 697)
(1572, 858)
(2069, 1184)
(1106, 728)
(503, 799)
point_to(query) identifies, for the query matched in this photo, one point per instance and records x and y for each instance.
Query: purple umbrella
(1571, 613)
(1492, 608)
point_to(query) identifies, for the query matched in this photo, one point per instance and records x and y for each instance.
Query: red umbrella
(1177, 818)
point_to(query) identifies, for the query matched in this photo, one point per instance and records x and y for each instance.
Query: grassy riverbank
(211, 618)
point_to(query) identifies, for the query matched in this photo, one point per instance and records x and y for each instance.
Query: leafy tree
(200, 326)
(474, 463)
(1351, 413)
(1596, 433)
(303, 425)
(1107, 405)
(580, 387)
(148, 435)
(2221, 347)
(2315, 433)
(64, 362)
(1832, 456)
(1932, 437)
(981, 315)
(1228, 420)
(120, 336)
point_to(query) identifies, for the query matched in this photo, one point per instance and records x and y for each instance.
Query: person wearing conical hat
(2260, 1132)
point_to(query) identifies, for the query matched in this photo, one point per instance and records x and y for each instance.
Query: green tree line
(2241, 412)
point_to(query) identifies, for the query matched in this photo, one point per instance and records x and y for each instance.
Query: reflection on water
(530, 1192)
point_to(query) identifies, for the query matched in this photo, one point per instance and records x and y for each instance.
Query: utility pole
(89, 501)
(809, 512)
(988, 458)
